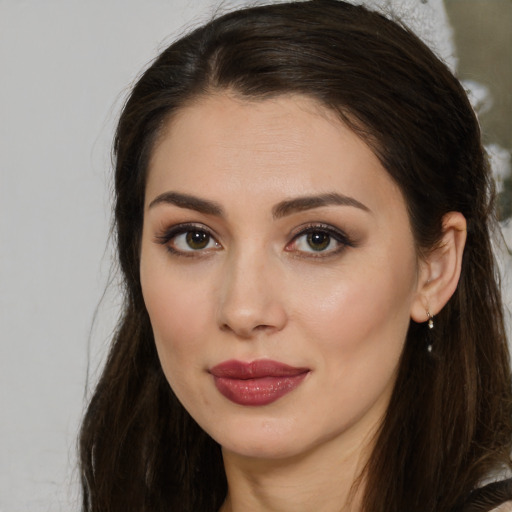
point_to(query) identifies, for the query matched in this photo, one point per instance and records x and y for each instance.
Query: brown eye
(197, 240)
(188, 239)
(318, 240)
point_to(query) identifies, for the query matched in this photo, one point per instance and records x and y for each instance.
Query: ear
(440, 269)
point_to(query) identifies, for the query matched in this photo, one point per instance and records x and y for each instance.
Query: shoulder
(494, 497)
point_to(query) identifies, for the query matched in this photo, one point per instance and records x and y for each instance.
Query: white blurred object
(503, 247)
(479, 95)
(500, 160)
(426, 18)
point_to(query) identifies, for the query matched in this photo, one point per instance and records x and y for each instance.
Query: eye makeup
(313, 240)
(318, 240)
(189, 240)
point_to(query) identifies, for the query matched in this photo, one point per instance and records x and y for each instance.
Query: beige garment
(504, 507)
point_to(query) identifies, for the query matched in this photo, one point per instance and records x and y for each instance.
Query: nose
(251, 299)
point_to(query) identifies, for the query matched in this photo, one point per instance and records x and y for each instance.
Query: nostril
(247, 331)
(262, 327)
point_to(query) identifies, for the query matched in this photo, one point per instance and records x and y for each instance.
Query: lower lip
(258, 391)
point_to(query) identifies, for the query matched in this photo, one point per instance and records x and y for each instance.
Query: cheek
(361, 315)
(178, 312)
(173, 314)
(180, 337)
(358, 326)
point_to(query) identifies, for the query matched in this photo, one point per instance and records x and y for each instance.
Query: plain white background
(66, 66)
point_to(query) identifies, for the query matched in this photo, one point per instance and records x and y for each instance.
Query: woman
(312, 319)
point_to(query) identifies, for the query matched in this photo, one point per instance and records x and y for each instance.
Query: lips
(256, 383)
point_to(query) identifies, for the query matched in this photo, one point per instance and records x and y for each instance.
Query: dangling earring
(430, 324)
(430, 320)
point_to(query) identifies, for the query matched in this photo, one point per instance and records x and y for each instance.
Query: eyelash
(332, 233)
(167, 236)
(335, 234)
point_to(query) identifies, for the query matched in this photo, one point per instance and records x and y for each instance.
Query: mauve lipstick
(259, 382)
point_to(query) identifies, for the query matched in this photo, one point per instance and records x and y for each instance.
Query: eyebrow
(280, 210)
(300, 204)
(189, 202)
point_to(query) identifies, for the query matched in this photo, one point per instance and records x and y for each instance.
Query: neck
(326, 479)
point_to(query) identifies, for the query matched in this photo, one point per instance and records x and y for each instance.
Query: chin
(263, 449)
(263, 439)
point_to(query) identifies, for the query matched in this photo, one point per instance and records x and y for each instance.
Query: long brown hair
(449, 420)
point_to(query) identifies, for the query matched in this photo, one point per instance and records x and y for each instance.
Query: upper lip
(260, 368)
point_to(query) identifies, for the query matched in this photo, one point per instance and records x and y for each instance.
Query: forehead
(261, 125)
(285, 146)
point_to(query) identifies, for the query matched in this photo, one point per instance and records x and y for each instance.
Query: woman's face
(279, 271)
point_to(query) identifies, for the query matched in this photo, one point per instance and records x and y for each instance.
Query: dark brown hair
(449, 420)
